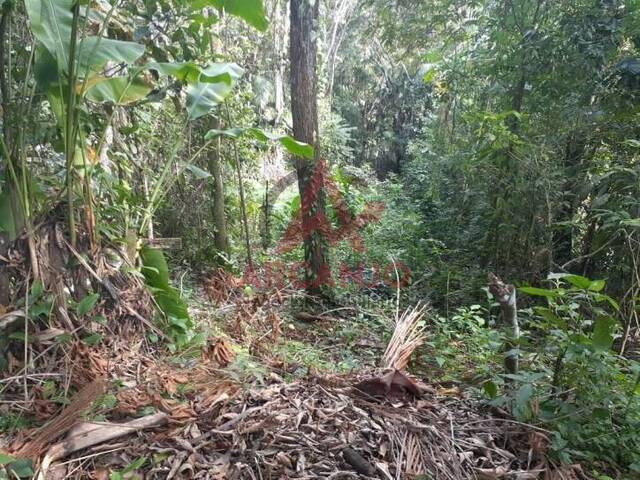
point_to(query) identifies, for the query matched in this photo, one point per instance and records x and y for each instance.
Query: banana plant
(71, 67)
(76, 67)
(75, 70)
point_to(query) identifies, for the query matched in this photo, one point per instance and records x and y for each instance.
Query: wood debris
(61, 423)
(322, 428)
(407, 336)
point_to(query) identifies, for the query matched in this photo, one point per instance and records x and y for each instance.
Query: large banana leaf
(207, 86)
(118, 90)
(289, 143)
(251, 11)
(204, 95)
(221, 72)
(189, 72)
(45, 69)
(50, 22)
(95, 52)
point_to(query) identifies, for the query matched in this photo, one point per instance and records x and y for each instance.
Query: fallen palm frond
(67, 418)
(89, 434)
(407, 336)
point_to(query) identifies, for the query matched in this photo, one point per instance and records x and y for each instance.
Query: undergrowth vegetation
(264, 186)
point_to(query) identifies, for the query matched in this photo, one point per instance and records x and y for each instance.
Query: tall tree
(304, 112)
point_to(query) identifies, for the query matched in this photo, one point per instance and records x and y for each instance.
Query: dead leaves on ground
(219, 351)
(327, 429)
(220, 285)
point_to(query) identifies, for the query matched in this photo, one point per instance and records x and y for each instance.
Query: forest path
(279, 394)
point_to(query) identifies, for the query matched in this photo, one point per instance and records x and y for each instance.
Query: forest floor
(276, 393)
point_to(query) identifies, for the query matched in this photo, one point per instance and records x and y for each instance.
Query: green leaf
(8, 223)
(189, 72)
(17, 336)
(491, 389)
(107, 401)
(596, 285)
(290, 144)
(540, 292)
(36, 290)
(118, 90)
(21, 468)
(551, 317)
(231, 133)
(578, 281)
(214, 84)
(603, 333)
(171, 304)
(180, 323)
(95, 52)
(86, 304)
(137, 463)
(92, 339)
(49, 389)
(45, 69)
(204, 97)
(221, 72)
(197, 171)
(4, 459)
(41, 308)
(50, 22)
(251, 11)
(633, 222)
(157, 272)
(296, 148)
(523, 394)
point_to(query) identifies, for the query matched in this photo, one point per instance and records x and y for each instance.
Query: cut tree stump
(505, 295)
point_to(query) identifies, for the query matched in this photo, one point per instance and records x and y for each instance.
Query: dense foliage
(459, 138)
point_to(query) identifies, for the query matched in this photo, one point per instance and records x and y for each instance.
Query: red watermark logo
(308, 222)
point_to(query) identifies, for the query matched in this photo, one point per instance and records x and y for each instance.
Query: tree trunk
(339, 23)
(304, 112)
(272, 192)
(220, 237)
(279, 27)
(563, 235)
